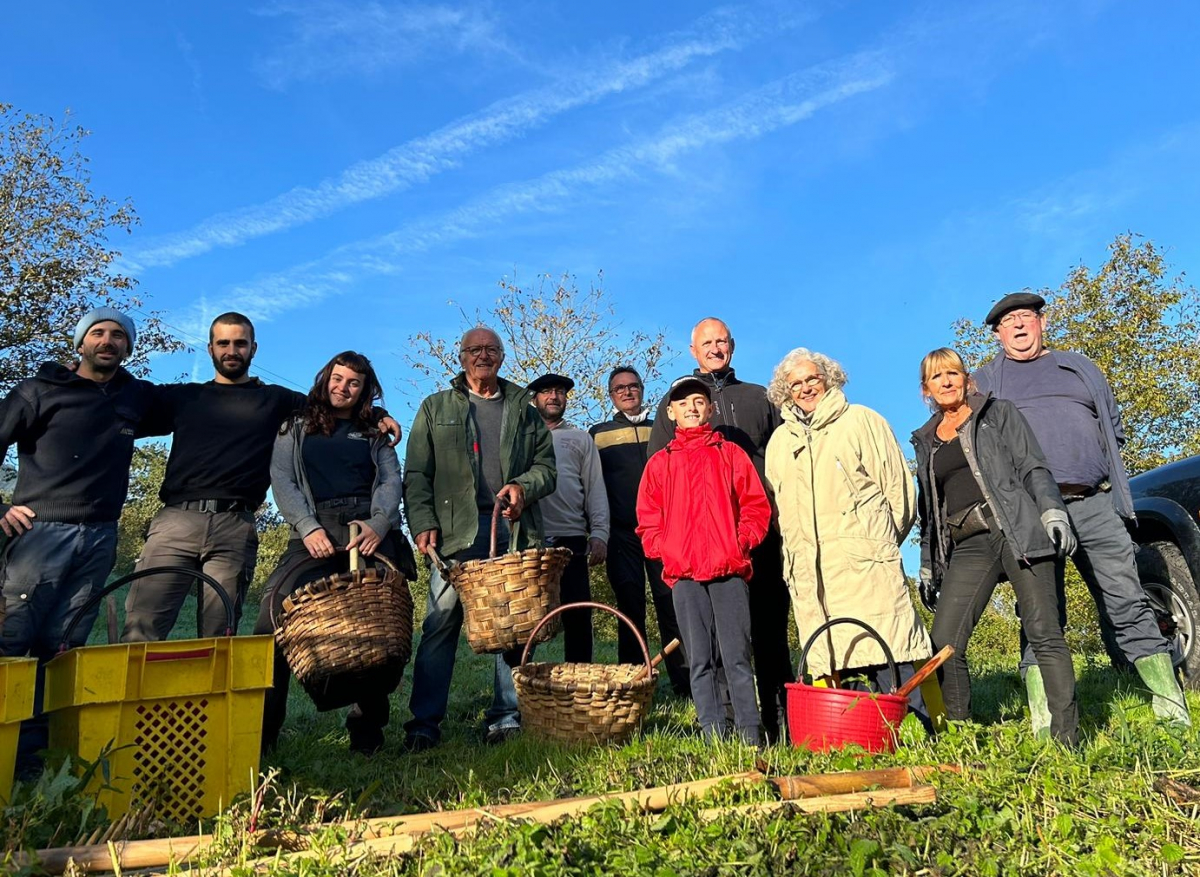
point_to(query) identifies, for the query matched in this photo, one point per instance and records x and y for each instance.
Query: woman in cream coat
(846, 502)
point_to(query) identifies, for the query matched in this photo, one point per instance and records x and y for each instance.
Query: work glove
(1058, 528)
(927, 589)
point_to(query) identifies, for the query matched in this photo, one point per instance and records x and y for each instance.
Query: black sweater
(742, 414)
(224, 435)
(74, 439)
(623, 447)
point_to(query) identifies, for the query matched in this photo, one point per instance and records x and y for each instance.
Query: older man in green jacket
(470, 445)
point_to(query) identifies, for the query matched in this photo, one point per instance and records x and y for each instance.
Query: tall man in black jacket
(622, 443)
(217, 476)
(74, 433)
(742, 414)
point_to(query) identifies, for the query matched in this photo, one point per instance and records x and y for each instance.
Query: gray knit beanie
(99, 315)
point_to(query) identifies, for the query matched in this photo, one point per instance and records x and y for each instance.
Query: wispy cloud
(418, 160)
(780, 104)
(324, 39)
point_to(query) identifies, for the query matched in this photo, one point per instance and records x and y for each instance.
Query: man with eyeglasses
(622, 443)
(478, 442)
(1073, 414)
(743, 414)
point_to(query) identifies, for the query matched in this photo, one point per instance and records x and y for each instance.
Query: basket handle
(874, 634)
(276, 607)
(587, 604)
(140, 574)
(355, 554)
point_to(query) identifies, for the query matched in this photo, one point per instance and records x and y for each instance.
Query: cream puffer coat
(846, 502)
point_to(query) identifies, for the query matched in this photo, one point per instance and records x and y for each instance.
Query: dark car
(1167, 503)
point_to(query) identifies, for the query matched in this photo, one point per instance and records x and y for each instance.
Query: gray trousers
(1105, 560)
(222, 544)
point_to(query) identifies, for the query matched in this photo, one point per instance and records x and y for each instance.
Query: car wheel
(1168, 583)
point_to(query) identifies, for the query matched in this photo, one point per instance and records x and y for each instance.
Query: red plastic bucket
(821, 719)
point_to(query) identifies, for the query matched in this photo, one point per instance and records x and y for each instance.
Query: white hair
(778, 391)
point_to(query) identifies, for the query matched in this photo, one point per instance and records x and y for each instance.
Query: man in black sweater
(74, 433)
(217, 476)
(622, 443)
(742, 414)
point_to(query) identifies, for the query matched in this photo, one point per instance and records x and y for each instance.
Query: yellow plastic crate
(17, 677)
(184, 719)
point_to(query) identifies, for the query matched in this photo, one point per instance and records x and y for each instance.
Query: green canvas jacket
(440, 468)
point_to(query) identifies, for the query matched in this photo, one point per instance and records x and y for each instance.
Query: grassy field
(1018, 806)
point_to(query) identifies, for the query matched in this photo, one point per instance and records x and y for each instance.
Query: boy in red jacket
(701, 507)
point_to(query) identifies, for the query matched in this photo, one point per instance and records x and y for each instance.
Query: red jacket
(701, 507)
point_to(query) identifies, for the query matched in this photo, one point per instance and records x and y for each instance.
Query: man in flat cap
(575, 516)
(1073, 414)
(74, 433)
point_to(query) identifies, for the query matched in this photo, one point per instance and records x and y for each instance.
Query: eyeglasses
(624, 388)
(1012, 316)
(810, 381)
(480, 349)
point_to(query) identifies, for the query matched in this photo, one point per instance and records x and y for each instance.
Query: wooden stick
(667, 649)
(830, 803)
(925, 672)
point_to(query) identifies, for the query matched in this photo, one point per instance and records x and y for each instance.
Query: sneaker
(496, 736)
(415, 743)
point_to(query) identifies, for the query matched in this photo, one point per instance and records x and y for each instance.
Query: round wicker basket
(505, 598)
(584, 703)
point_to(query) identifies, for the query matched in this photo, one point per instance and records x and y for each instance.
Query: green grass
(1019, 807)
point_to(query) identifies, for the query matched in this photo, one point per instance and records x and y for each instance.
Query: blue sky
(847, 177)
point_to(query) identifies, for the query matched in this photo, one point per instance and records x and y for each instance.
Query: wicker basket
(505, 598)
(347, 633)
(584, 703)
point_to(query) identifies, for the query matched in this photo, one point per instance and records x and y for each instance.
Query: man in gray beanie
(74, 433)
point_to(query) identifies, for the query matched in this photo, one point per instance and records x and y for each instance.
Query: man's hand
(392, 428)
(597, 551)
(367, 541)
(514, 498)
(17, 520)
(318, 544)
(1058, 528)
(427, 539)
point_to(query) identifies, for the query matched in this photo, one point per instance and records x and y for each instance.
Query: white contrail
(418, 160)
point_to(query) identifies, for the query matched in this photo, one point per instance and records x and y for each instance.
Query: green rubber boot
(1166, 697)
(1039, 709)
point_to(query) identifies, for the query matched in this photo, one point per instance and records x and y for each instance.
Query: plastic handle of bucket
(887, 652)
(585, 604)
(141, 574)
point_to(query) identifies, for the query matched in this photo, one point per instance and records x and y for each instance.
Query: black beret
(545, 382)
(1011, 302)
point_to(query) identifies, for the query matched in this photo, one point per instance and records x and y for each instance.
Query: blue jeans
(49, 573)
(434, 664)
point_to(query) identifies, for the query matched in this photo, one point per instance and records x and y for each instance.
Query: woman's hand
(367, 541)
(318, 544)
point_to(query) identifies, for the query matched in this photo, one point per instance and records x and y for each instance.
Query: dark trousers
(576, 587)
(715, 619)
(770, 609)
(977, 565)
(628, 570)
(296, 568)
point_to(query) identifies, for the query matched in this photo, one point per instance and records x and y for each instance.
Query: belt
(1079, 491)
(212, 506)
(341, 501)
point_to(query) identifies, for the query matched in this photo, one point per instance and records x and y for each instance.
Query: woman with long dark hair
(332, 468)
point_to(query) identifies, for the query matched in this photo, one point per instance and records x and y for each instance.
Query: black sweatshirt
(74, 439)
(224, 435)
(742, 413)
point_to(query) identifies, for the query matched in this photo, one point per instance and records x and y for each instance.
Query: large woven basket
(585, 703)
(350, 632)
(505, 598)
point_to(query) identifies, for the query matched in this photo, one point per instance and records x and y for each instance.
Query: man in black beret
(1073, 414)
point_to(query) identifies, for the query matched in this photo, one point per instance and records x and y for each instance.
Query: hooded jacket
(701, 508)
(990, 377)
(74, 439)
(846, 502)
(440, 465)
(741, 413)
(1011, 472)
